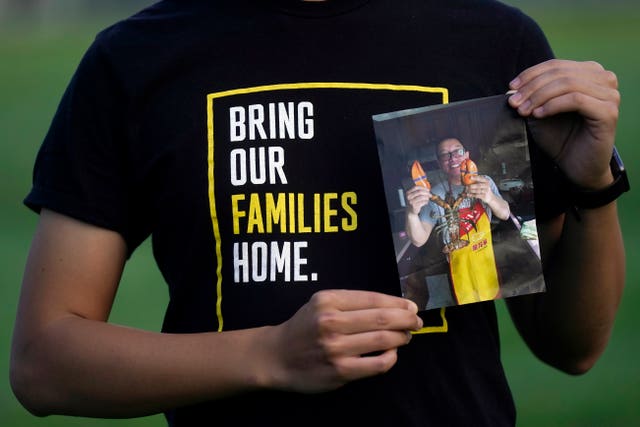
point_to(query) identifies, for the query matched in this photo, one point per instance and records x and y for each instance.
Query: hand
(480, 189)
(579, 103)
(417, 197)
(340, 336)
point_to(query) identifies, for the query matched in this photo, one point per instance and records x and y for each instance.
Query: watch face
(619, 173)
(616, 162)
(617, 168)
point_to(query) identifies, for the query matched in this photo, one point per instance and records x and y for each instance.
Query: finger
(335, 323)
(338, 345)
(478, 193)
(478, 179)
(557, 68)
(411, 191)
(416, 195)
(347, 300)
(372, 319)
(418, 202)
(591, 80)
(355, 367)
(418, 191)
(478, 186)
(588, 107)
(581, 92)
(548, 86)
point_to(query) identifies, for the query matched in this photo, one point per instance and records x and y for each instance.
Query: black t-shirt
(238, 135)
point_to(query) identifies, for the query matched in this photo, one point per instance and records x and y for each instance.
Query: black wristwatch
(582, 199)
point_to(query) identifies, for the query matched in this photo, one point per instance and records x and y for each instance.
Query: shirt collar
(317, 8)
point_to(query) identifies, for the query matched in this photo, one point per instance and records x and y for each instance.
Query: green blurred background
(41, 43)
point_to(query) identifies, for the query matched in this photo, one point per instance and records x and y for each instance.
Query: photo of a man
(459, 191)
(462, 213)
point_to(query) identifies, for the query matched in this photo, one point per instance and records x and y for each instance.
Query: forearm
(91, 368)
(416, 229)
(584, 273)
(499, 207)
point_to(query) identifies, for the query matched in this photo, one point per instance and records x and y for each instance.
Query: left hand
(579, 102)
(480, 189)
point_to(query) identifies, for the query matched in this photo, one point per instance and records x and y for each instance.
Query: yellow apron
(474, 274)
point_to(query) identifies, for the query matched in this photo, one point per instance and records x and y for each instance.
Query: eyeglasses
(451, 154)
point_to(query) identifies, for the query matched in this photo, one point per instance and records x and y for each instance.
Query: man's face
(451, 153)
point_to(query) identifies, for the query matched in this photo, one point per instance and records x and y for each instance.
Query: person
(469, 248)
(423, 216)
(238, 135)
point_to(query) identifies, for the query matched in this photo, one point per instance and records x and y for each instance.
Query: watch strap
(591, 199)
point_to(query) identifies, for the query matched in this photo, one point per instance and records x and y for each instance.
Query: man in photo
(462, 214)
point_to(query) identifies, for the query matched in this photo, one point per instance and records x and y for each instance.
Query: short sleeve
(493, 186)
(81, 168)
(427, 214)
(534, 47)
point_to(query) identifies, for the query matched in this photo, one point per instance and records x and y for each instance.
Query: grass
(35, 68)
(40, 65)
(609, 394)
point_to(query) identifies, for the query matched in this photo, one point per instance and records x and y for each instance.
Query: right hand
(417, 198)
(340, 336)
(579, 102)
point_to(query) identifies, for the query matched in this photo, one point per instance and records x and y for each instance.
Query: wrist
(264, 355)
(595, 184)
(611, 185)
(411, 214)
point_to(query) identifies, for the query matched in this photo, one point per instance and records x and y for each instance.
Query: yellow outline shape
(289, 86)
(433, 329)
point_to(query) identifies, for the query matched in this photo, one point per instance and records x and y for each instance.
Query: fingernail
(515, 83)
(524, 108)
(516, 97)
(413, 306)
(538, 112)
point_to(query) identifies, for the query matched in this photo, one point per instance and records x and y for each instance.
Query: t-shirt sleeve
(493, 186)
(427, 214)
(549, 184)
(81, 168)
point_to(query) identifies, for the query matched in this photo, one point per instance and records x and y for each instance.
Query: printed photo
(460, 197)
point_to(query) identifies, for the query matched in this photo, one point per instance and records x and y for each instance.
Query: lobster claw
(419, 176)
(468, 170)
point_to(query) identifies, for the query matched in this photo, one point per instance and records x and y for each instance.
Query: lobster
(450, 224)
